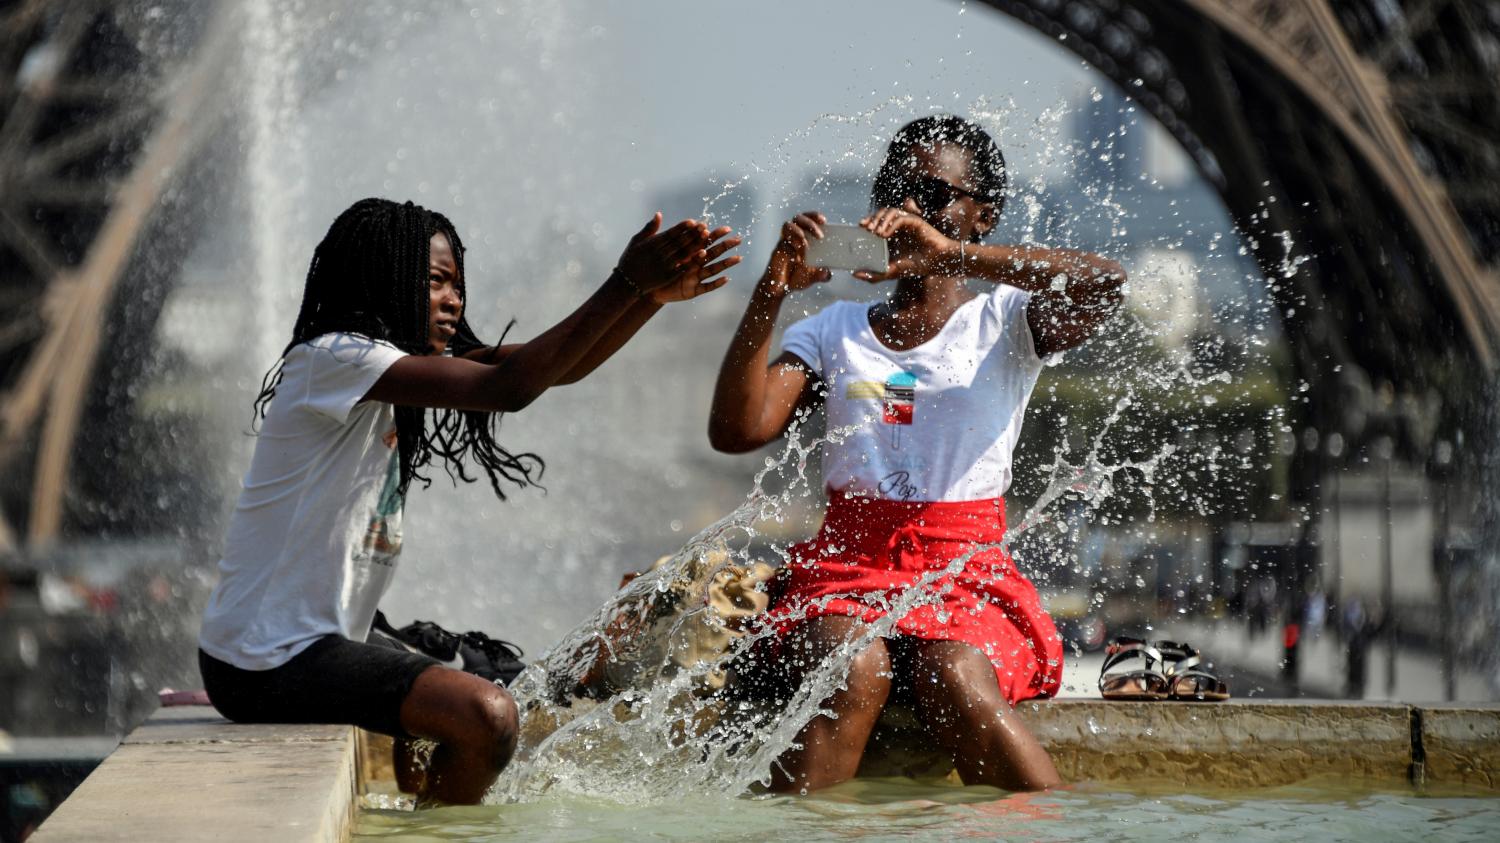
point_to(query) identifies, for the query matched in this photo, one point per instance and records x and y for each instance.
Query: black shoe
(473, 652)
(490, 658)
(424, 637)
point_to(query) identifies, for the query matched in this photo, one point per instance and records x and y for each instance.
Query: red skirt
(870, 550)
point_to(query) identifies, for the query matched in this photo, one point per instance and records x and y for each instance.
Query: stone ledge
(200, 724)
(1461, 744)
(1242, 743)
(1239, 743)
(189, 775)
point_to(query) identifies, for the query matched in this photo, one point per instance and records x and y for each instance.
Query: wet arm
(518, 374)
(753, 401)
(611, 341)
(1073, 291)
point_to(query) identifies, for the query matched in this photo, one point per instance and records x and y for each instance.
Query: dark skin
(657, 268)
(933, 251)
(474, 721)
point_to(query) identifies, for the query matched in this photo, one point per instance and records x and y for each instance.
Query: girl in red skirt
(927, 390)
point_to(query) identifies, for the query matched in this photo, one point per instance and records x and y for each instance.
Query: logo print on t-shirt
(382, 542)
(897, 397)
(900, 396)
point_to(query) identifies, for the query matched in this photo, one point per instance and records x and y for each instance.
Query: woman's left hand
(696, 273)
(917, 249)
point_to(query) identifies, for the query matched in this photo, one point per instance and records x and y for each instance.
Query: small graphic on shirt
(382, 542)
(897, 397)
(900, 396)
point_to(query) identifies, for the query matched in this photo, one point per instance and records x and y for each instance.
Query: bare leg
(832, 747)
(411, 773)
(475, 724)
(959, 700)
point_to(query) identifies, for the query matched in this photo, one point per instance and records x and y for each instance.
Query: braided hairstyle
(369, 277)
(987, 165)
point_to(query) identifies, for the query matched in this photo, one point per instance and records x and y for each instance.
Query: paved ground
(1081, 676)
(1252, 667)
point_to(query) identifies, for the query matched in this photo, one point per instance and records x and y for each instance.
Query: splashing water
(661, 736)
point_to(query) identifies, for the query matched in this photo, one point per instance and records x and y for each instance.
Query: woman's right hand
(788, 270)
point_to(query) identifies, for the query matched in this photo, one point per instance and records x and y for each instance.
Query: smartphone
(848, 247)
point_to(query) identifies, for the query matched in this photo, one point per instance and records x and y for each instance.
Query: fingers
(794, 236)
(713, 252)
(682, 240)
(710, 270)
(796, 231)
(708, 286)
(887, 221)
(898, 268)
(650, 228)
(812, 222)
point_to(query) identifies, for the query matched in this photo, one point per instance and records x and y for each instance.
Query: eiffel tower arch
(1368, 131)
(104, 106)
(1365, 130)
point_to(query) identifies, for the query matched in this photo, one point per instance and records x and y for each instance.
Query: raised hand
(787, 270)
(696, 274)
(654, 258)
(917, 249)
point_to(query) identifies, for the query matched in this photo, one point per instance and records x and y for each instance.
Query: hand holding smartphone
(848, 247)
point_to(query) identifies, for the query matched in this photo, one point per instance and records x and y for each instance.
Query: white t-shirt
(313, 541)
(937, 422)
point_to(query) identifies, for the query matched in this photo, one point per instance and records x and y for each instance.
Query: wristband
(630, 285)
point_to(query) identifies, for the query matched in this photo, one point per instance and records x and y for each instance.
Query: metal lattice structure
(101, 108)
(1368, 131)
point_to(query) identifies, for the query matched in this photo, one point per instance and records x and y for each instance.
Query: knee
(870, 672)
(961, 673)
(959, 676)
(497, 723)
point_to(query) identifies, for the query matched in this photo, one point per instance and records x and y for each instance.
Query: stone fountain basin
(189, 774)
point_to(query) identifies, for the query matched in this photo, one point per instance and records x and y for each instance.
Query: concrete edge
(187, 774)
(255, 783)
(1457, 744)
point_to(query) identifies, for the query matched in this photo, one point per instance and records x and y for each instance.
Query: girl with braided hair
(932, 383)
(382, 374)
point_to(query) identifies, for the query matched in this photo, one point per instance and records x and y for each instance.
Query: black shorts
(333, 681)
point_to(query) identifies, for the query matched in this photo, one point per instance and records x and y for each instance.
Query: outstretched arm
(521, 374)
(754, 401)
(1072, 291)
(695, 279)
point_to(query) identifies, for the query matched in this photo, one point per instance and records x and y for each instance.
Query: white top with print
(937, 422)
(313, 541)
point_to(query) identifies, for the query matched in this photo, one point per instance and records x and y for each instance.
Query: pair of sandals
(1135, 669)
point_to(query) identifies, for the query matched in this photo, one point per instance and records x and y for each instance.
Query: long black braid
(369, 277)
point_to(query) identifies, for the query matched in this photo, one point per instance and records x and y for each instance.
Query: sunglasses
(934, 194)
